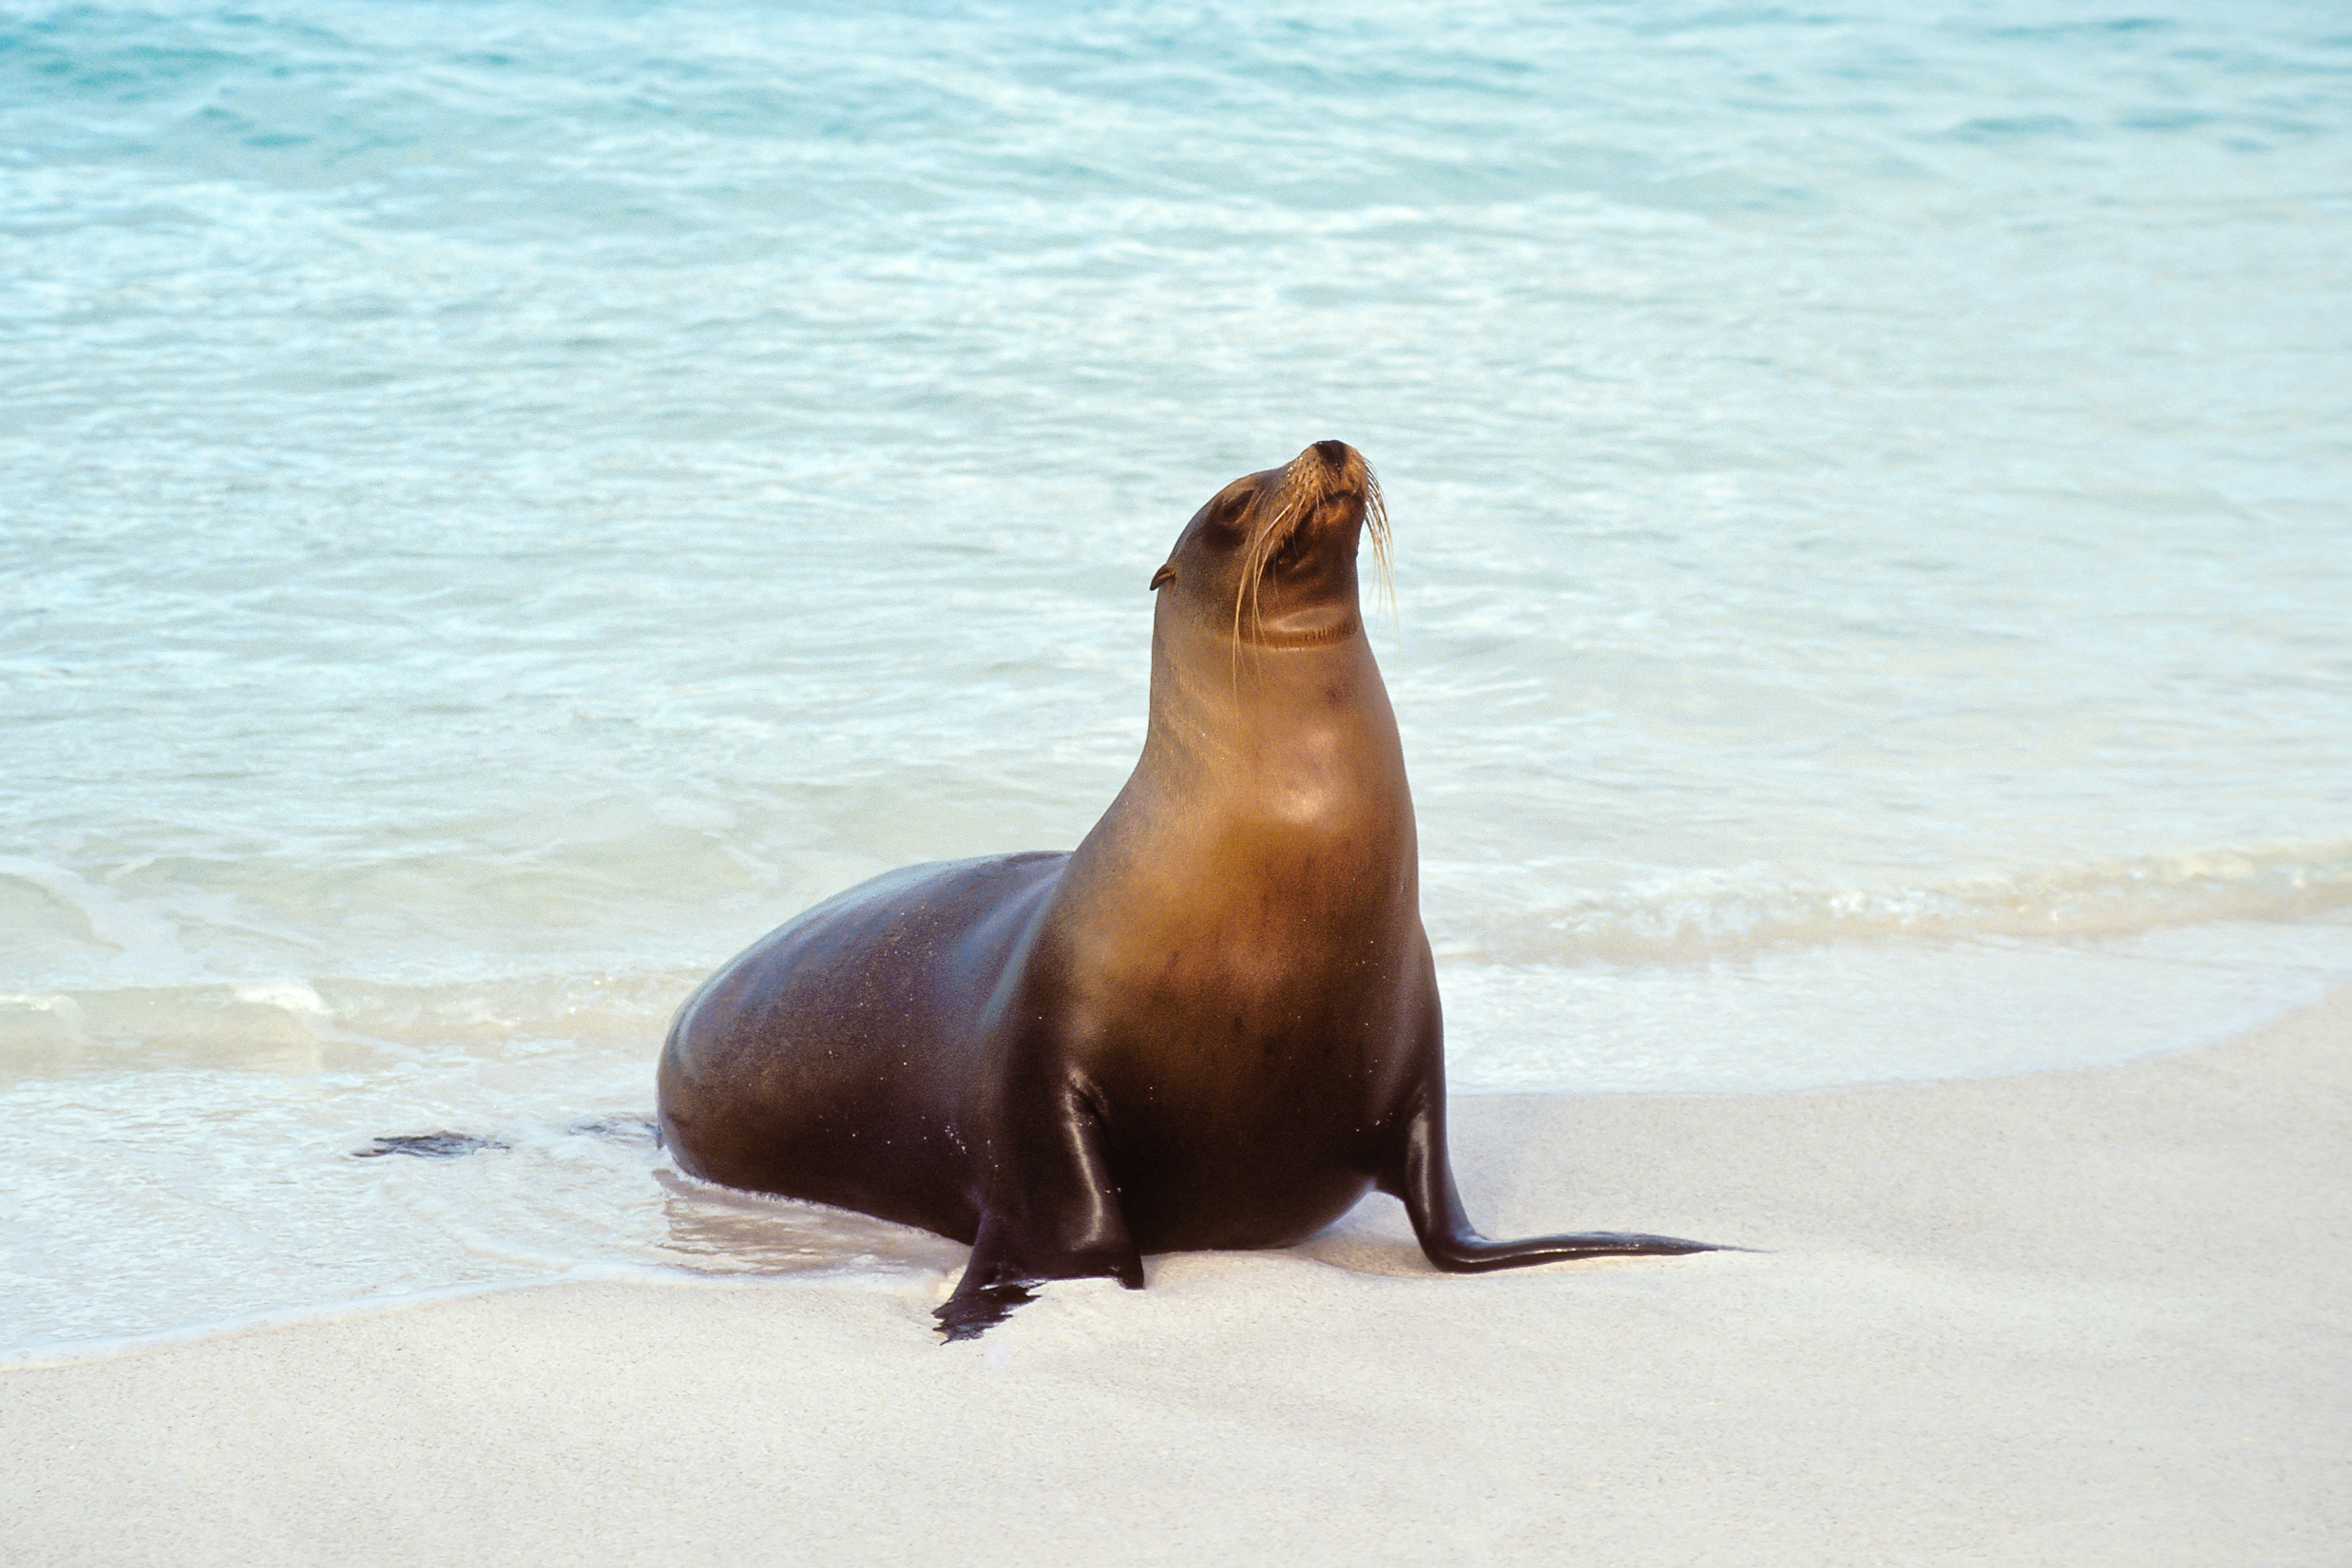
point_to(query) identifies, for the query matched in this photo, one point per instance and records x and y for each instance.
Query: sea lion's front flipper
(1054, 1214)
(1418, 1172)
(975, 1307)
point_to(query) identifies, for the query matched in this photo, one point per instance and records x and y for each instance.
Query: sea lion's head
(1271, 558)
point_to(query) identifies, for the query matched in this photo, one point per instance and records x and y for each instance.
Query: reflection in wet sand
(719, 1230)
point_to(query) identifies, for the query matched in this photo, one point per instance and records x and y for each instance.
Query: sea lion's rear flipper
(1055, 1215)
(1418, 1172)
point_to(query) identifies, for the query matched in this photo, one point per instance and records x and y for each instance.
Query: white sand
(2098, 1317)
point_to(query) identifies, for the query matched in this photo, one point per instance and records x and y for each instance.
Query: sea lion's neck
(1292, 747)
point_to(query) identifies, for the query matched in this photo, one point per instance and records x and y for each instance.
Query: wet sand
(2083, 1318)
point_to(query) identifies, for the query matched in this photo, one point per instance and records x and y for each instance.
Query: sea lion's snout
(1271, 558)
(1327, 470)
(1323, 491)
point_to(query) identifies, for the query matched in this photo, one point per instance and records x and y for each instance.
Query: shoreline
(2083, 1316)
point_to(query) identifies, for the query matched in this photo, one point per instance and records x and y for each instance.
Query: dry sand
(2093, 1317)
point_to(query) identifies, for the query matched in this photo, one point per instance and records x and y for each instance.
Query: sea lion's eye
(1224, 515)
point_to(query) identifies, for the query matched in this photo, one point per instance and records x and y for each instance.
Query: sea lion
(1212, 1025)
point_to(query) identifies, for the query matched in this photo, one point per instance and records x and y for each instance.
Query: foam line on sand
(2082, 1318)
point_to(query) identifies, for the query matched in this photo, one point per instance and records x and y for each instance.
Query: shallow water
(505, 504)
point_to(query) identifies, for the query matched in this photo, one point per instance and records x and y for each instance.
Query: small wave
(1715, 915)
(331, 1024)
(144, 939)
(324, 1022)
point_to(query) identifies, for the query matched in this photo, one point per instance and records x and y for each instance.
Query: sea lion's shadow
(1374, 1237)
(719, 1229)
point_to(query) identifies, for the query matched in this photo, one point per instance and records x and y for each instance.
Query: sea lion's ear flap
(1161, 578)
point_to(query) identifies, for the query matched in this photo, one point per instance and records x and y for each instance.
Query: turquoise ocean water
(502, 504)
